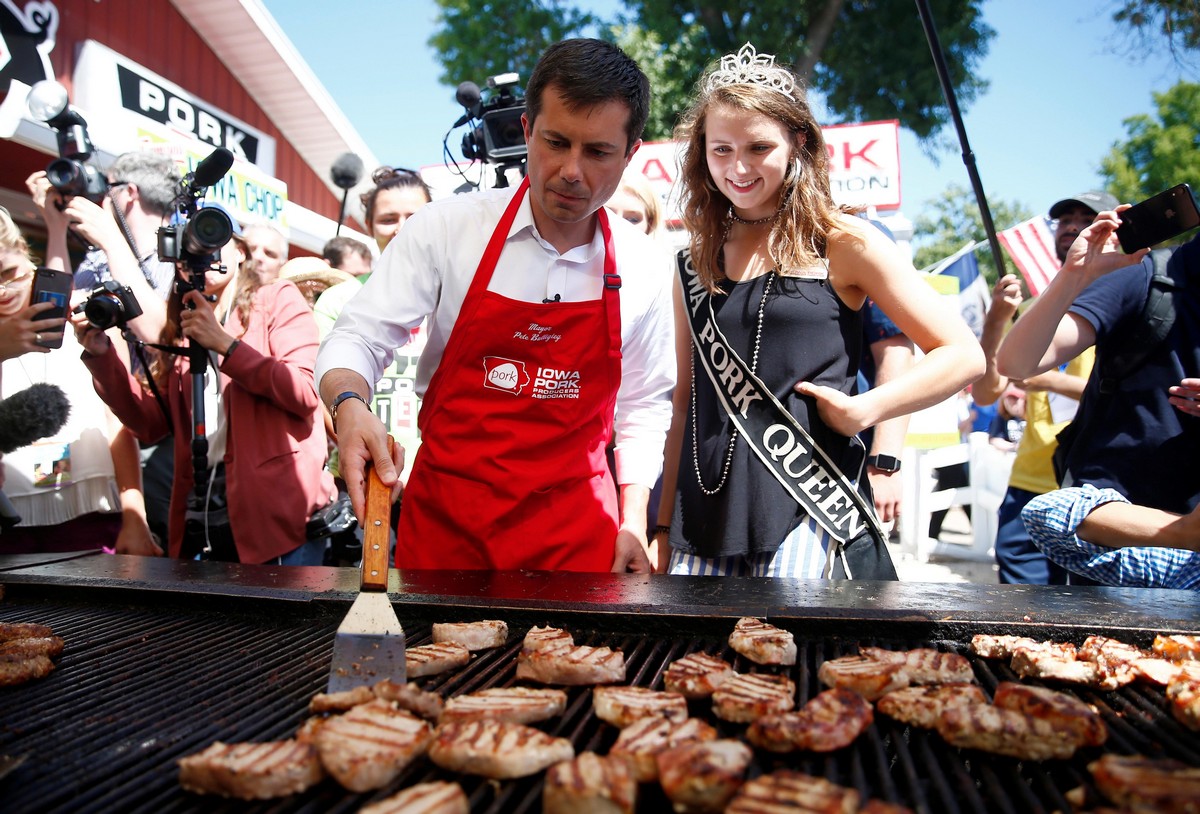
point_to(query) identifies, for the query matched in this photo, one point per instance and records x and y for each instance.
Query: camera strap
(133, 247)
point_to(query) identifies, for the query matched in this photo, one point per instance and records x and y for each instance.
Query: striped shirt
(1053, 518)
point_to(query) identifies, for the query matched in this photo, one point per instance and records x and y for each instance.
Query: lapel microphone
(555, 298)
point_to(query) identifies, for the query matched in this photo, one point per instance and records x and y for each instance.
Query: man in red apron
(537, 337)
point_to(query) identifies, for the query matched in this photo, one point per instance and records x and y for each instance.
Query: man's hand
(1185, 396)
(95, 224)
(630, 555)
(1006, 297)
(887, 488)
(1096, 251)
(362, 442)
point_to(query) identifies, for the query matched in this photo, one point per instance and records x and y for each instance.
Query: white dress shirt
(427, 270)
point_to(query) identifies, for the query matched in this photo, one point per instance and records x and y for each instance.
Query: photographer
(266, 442)
(79, 488)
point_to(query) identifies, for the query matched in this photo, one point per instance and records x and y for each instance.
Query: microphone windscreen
(213, 168)
(468, 95)
(28, 415)
(347, 170)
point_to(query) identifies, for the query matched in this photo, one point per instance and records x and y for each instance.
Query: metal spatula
(369, 645)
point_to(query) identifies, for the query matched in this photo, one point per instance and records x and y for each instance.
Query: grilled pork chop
(703, 776)
(744, 697)
(16, 670)
(870, 678)
(640, 742)
(516, 705)
(1062, 710)
(543, 638)
(696, 675)
(370, 745)
(572, 665)
(340, 701)
(1005, 732)
(589, 784)
(922, 706)
(431, 659)
(1178, 647)
(251, 771)
(787, 791)
(472, 635)
(23, 630)
(410, 697)
(30, 646)
(1184, 695)
(925, 665)
(424, 798)
(1049, 666)
(621, 706)
(1146, 784)
(1003, 647)
(496, 749)
(763, 643)
(831, 721)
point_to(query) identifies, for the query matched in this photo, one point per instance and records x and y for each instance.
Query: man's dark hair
(586, 73)
(338, 248)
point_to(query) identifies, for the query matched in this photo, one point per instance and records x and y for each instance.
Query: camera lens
(103, 310)
(207, 231)
(67, 176)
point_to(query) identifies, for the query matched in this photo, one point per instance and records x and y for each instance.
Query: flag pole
(939, 61)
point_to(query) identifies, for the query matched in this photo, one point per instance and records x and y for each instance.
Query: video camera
(109, 304)
(196, 235)
(69, 174)
(499, 137)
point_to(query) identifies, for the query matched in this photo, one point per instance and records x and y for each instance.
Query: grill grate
(140, 686)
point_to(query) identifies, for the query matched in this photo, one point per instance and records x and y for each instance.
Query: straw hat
(312, 276)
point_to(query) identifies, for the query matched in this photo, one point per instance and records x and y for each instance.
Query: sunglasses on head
(388, 173)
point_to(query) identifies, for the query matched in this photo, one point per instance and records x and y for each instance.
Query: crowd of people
(566, 393)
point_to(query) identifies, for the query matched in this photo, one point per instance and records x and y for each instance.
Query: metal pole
(939, 61)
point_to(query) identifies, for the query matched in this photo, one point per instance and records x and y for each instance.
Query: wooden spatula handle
(375, 532)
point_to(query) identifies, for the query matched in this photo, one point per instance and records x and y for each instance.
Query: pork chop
(621, 706)
(516, 705)
(472, 635)
(589, 784)
(745, 697)
(830, 721)
(640, 742)
(1062, 710)
(696, 675)
(431, 659)
(789, 791)
(704, 775)
(763, 643)
(496, 749)
(437, 797)
(870, 678)
(370, 745)
(572, 665)
(922, 706)
(251, 771)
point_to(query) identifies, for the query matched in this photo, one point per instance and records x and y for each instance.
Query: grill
(151, 674)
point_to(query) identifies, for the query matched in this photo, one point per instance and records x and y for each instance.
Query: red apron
(511, 473)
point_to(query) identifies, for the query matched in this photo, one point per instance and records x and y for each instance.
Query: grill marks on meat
(621, 706)
(1003, 647)
(763, 643)
(831, 721)
(1045, 665)
(589, 783)
(340, 701)
(787, 790)
(370, 745)
(410, 697)
(924, 665)
(1184, 695)
(1146, 784)
(424, 798)
(870, 678)
(431, 659)
(472, 635)
(251, 771)
(642, 741)
(1178, 647)
(571, 665)
(1065, 712)
(745, 697)
(496, 749)
(26, 652)
(542, 638)
(923, 706)
(703, 776)
(516, 705)
(1005, 732)
(696, 675)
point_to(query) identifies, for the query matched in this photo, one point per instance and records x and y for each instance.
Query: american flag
(1031, 247)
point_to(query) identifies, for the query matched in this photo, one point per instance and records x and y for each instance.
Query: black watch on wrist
(884, 463)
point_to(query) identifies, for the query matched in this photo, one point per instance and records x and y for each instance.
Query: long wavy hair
(249, 281)
(808, 214)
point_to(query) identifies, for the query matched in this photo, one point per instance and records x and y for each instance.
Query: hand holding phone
(1158, 218)
(53, 287)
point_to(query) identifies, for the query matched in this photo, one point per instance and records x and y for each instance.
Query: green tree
(1159, 152)
(1150, 21)
(952, 221)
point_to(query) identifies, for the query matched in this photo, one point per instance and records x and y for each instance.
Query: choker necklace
(759, 222)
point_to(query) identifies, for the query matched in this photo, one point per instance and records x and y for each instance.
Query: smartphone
(1158, 218)
(53, 286)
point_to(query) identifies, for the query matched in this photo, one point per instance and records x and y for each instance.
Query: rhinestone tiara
(748, 67)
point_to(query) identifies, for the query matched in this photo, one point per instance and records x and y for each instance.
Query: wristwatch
(333, 408)
(884, 463)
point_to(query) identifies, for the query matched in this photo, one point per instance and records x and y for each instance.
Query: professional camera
(109, 304)
(200, 236)
(68, 173)
(499, 137)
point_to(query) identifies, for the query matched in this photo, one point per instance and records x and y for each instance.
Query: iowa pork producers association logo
(508, 375)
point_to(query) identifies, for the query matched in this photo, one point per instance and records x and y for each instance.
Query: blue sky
(1061, 85)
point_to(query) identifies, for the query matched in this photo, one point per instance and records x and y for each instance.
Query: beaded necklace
(762, 305)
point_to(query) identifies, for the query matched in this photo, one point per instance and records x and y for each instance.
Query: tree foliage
(869, 59)
(1159, 152)
(954, 220)
(1150, 22)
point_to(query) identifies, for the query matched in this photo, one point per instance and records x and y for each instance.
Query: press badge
(819, 271)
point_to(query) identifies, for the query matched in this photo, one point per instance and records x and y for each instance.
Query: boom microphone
(213, 168)
(469, 97)
(36, 412)
(347, 171)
